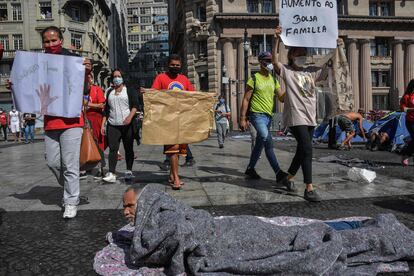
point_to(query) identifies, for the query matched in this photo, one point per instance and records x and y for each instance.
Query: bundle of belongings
(171, 238)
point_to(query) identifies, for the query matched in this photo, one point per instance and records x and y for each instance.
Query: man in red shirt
(3, 123)
(173, 80)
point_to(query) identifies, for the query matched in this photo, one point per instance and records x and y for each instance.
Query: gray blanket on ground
(170, 234)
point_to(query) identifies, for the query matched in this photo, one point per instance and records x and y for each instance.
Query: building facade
(147, 40)
(212, 35)
(84, 24)
(118, 37)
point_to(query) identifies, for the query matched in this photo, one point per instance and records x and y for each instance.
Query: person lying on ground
(171, 235)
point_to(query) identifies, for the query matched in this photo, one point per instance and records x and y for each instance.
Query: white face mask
(299, 61)
(118, 81)
(269, 67)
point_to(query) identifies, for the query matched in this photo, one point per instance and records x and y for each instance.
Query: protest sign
(176, 117)
(309, 23)
(48, 84)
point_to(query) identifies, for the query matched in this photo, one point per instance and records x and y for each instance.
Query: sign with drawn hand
(309, 23)
(48, 84)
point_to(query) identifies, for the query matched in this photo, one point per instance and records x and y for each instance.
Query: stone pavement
(216, 179)
(34, 239)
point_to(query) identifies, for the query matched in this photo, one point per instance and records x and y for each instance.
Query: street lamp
(246, 47)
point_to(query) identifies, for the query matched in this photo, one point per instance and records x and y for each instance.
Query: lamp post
(246, 47)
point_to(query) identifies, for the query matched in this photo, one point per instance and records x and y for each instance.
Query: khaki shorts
(180, 149)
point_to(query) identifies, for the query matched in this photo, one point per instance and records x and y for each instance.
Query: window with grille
(380, 102)
(380, 8)
(45, 9)
(380, 78)
(146, 37)
(4, 39)
(3, 12)
(145, 19)
(75, 14)
(146, 10)
(259, 44)
(259, 6)
(18, 41)
(133, 19)
(380, 48)
(76, 40)
(17, 12)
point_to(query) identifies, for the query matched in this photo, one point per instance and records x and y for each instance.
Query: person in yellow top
(257, 109)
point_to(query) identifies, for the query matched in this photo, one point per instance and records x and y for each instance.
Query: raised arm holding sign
(309, 23)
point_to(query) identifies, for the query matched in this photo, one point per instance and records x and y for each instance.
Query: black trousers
(332, 134)
(114, 135)
(303, 155)
(408, 151)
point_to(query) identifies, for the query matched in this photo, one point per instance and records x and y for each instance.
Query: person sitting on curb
(346, 123)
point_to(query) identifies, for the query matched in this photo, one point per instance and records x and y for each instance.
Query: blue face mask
(118, 81)
(222, 101)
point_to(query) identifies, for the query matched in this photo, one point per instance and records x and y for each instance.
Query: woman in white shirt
(120, 108)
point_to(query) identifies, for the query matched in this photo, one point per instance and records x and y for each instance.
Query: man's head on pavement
(174, 65)
(52, 40)
(130, 203)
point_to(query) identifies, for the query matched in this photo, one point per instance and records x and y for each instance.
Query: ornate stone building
(211, 35)
(84, 24)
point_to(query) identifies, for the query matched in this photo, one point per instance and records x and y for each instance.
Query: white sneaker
(128, 175)
(70, 211)
(109, 177)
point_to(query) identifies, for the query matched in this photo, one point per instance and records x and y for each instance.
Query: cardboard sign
(177, 117)
(309, 23)
(48, 84)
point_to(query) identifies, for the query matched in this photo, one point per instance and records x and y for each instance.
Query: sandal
(176, 187)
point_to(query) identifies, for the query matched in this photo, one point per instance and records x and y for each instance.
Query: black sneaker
(189, 163)
(282, 180)
(221, 146)
(251, 173)
(312, 196)
(83, 175)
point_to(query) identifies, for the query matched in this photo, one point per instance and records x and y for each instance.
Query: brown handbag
(90, 155)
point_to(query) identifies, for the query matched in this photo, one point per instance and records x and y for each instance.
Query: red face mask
(54, 49)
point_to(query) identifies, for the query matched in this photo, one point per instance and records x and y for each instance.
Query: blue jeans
(261, 123)
(29, 130)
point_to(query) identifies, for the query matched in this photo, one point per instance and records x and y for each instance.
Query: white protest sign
(309, 23)
(48, 84)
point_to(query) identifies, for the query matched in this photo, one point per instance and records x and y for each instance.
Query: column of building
(230, 63)
(409, 61)
(365, 84)
(397, 88)
(212, 54)
(354, 70)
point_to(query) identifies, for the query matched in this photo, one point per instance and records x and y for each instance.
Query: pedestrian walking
(222, 115)
(119, 112)
(407, 105)
(62, 136)
(29, 126)
(299, 112)
(257, 110)
(14, 124)
(174, 80)
(94, 114)
(3, 123)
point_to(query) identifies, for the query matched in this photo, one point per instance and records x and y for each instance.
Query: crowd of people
(113, 116)
(20, 125)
